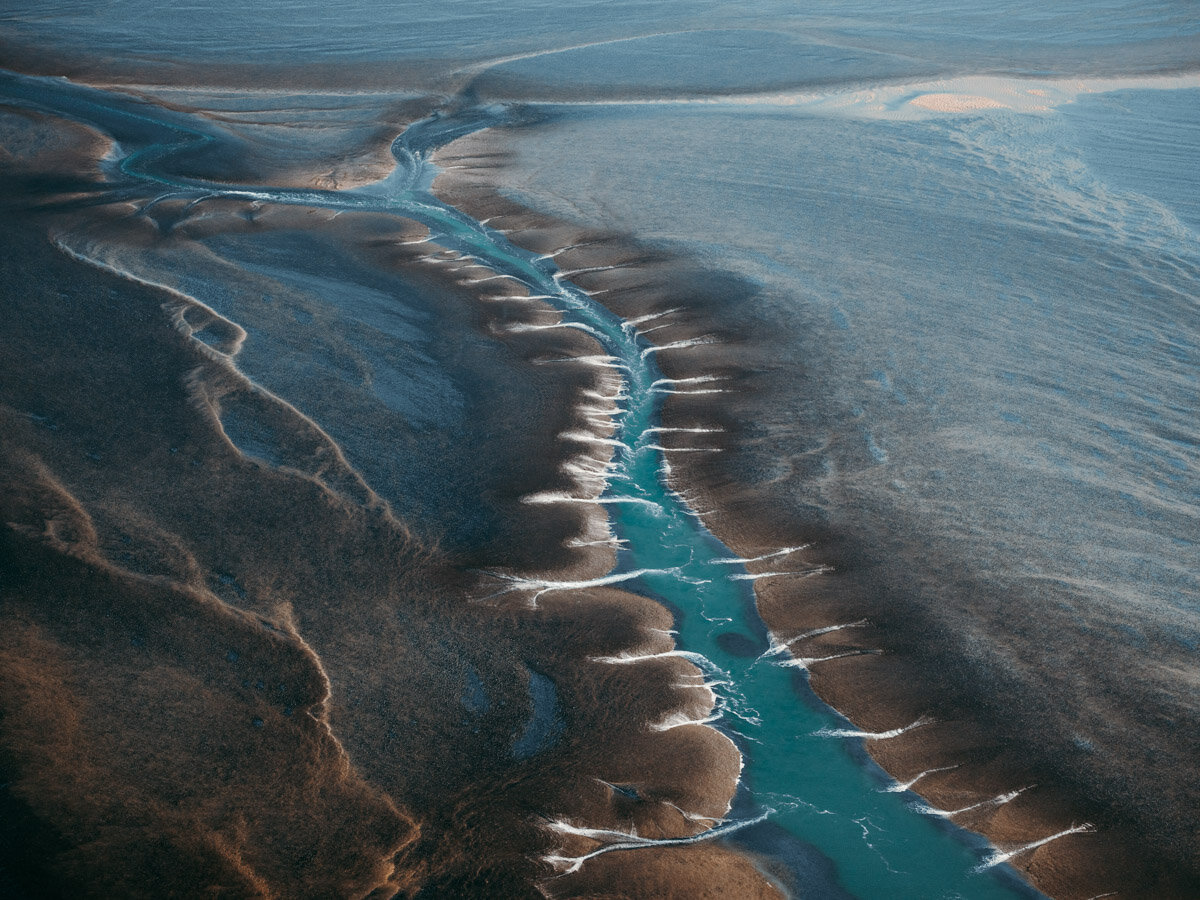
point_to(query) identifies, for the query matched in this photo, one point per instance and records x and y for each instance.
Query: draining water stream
(805, 771)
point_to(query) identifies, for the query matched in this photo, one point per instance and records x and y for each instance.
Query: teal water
(804, 769)
(797, 766)
(982, 325)
(1016, 34)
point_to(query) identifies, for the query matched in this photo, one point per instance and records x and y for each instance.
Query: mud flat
(233, 662)
(884, 642)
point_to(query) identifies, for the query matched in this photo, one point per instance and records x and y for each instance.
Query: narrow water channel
(804, 766)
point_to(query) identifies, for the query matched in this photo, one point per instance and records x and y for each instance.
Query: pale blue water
(1144, 141)
(995, 314)
(1070, 36)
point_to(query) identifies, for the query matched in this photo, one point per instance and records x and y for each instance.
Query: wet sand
(896, 660)
(231, 665)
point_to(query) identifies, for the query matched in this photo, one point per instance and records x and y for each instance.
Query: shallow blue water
(1144, 141)
(1062, 36)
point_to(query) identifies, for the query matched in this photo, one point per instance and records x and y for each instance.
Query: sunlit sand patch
(957, 103)
(957, 96)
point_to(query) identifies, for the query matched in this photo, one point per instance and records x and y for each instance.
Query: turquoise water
(797, 769)
(1064, 36)
(983, 342)
(982, 329)
(804, 771)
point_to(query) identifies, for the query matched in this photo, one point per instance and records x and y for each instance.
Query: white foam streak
(807, 662)
(585, 437)
(899, 788)
(561, 497)
(649, 317)
(695, 379)
(679, 345)
(522, 327)
(599, 360)
(950, 813)
(677, 719)
(570, 273)
(873, 735)
(561, 250)
(540, 586)
(777, 648)
(690, 816)
(609, 398)
(755, 576)
(1004, 856)
(513, 298)
(655, 328)
(564, 827)
(698, 659)
(610, 541)
(490, 278)
(587, 468)
(740, 561)
(628, 841)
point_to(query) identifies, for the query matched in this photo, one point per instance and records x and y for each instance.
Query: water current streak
(808, 785)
